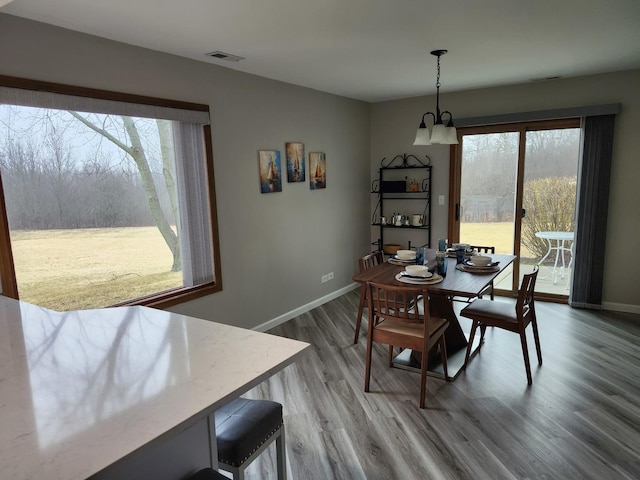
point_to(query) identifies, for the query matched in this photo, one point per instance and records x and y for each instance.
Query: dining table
(458, 283)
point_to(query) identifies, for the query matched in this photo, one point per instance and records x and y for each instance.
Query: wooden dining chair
(365, 263)
(395, 319)
(486, 313)
(485, 249)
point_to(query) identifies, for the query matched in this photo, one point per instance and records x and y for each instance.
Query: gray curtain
(592, 206)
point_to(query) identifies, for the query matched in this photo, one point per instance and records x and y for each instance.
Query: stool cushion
(242, 426)
(207, 474)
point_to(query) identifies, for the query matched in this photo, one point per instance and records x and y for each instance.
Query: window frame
(159, 300)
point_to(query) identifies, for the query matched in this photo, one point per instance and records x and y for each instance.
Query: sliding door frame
(455, 176)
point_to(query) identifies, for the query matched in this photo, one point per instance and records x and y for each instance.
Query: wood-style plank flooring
(580, 418)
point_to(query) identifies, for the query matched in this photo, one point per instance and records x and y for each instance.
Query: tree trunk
(151, 194)
(168, 168)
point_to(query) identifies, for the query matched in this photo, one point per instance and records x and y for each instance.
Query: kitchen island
(126, 392)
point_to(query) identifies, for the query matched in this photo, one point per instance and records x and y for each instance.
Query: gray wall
(394, 125)
(274, 247)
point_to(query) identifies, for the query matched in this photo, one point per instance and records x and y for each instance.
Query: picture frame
(317, 170)
(270, 170)
(294, 152)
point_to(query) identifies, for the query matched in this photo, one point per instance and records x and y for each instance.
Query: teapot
(399, 220)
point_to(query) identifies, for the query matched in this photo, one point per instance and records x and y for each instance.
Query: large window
(107, 199)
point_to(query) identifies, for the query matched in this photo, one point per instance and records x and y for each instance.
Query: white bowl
(480, 260)
(418, 271)
(406, 254)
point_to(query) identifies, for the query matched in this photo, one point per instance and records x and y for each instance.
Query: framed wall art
(317, 170)
(295, 162)
(270, 171)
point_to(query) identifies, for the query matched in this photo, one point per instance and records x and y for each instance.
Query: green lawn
(90, 268)
(498, 234)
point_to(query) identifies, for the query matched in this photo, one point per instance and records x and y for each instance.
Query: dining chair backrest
(483, 249)
(396, 303)
(371, 260)
(525, 295)
(365, 263)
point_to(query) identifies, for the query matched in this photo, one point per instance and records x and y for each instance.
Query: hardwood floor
(580, 418)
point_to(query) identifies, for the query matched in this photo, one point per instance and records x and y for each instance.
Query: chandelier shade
(440, 133)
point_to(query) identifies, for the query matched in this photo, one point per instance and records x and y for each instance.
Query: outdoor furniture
(396, 320)
(556, 242)
(486, 313)
(365, 263)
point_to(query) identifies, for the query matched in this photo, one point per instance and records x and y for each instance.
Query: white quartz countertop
(81, 390)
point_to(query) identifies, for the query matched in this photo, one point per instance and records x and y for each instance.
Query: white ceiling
(371, 50)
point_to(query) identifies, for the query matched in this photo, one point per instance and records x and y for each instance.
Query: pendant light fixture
(440, 133)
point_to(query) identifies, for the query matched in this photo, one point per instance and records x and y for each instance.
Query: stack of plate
(427, 279)
(468, 266)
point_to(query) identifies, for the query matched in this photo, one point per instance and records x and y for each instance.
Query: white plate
(427, 275)
(407, 260)
(414, 281)
(469, 263)
(492, 265)
(470, 269)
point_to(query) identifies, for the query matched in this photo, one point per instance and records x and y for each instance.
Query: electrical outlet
(324, 278)
(441, 200)
(330, 276)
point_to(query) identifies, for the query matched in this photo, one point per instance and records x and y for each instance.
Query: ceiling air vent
(225, 56)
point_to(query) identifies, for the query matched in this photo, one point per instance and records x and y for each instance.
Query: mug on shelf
(417, 220)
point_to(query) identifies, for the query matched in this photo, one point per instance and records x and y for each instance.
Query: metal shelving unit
(388, 189)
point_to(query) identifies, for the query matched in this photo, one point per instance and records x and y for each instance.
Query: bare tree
(137, 152)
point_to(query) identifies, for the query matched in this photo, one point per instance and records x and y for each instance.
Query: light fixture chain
(438, 78)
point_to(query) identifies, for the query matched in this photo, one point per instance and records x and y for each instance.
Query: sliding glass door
(513, 187)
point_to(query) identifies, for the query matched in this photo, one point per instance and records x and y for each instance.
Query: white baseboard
(304, 308)
(621, 307)
(616, 307)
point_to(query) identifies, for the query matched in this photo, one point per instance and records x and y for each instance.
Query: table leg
(455, 341)
(361, 305)
(555, 264)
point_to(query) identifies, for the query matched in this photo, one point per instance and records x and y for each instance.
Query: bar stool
(244, 429)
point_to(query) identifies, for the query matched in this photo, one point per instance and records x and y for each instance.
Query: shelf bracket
(405, 161)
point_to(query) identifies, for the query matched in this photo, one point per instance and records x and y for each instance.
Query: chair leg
(492, 298)
(443, 356)
(281, 455)
(472, 334)
(367, 372)
(423, 380)
(360, 311)
(525, 354)
(536, 338)
(483, 330)
(390, 355)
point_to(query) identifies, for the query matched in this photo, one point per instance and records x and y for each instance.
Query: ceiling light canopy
(440, 133)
